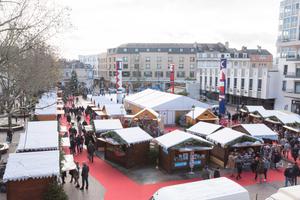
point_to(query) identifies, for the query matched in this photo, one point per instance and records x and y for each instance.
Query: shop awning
(292, 129)
(68, 163)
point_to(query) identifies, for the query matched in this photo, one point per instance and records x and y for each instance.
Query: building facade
(93, 61)
(250, 75)
(288, 52)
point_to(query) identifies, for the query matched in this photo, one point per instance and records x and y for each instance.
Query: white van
(212, 189)
(287, 193)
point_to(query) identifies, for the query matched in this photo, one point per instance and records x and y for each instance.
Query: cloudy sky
(102, 24)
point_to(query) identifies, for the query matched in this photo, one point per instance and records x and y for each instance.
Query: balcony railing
(292, 75)
(293, 91)
(293, 58)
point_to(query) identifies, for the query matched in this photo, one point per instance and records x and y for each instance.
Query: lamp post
(122, 113)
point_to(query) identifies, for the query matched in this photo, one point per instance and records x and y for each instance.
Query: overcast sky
(102, 24)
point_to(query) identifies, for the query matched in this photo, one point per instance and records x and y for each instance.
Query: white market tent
(35, 165)
(203, 129)
(226, 136)
(101, 101)
(286, 193)
(176, 137)
(39, 136)
(132, 135)
(47, 104)
(68, 163)
(212, 189)
(260, 131)
(164, 103)
(107, 125)
(115, 110)
(252, 109)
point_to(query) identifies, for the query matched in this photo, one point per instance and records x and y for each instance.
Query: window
(148, 74)
(125, 66)
(259, 85)
(192, 74)
(216, 81)
(137, 58)
(180, 74)
(147, 50)
(205, 80)
(147, 66)
(253, 64)
(250, 84)
(170, 59)
(110, 73)
(283, 85)
(168, 74)
(297, 72)
(181, 50)
(285, 69)
(242, 83)
(125, 59)
(136, 74)
(210, 81)
(297, 87)
(147, 59)
(181, 66)
(244, 55)
(136, 66)
(170, 50)
(158, 59)
(192, 50)
(125, 50)
(228, 83)
(125, 74)
(192, 59)
(181, 59)
(158, 66)
(235, 63)
(136, 50)
(192, 66)
(159, 74)
(158, 50)
(234, 82)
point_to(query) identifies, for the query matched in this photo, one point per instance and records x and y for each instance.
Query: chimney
(227, 44)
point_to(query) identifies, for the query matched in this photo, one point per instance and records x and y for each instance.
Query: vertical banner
(172, 70)
(222, 86)
(119, 68)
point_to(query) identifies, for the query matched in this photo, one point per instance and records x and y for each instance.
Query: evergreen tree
(74, 84)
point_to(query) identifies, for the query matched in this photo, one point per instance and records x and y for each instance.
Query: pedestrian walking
(289, 175)
(205, 173)
(267, 166)
(239, 167)
(260, 170)
(296, 172)
(91, 151)
(76, 175)
(85, 176)
(217, 173)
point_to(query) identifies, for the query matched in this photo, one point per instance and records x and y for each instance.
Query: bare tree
(28, 65)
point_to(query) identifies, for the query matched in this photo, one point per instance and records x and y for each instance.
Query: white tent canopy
(158, 100)
(133, 135)
(39, 135)
(212, 189)
(176, 137)
(35, 165)
(47, 104)
(286, 193)
(115, 109)
(68, 163)
(107, 125)
(203, 128)
(226, 136)
(260, 131)
(196, 113)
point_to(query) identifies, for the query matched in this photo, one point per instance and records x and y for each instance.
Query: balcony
(292, 75)
(293, 58)
(292, 93)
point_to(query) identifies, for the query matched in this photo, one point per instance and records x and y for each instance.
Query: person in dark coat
(296, 172)
(217, 173)
(295, 152)
(289, 175)
(91, 151)
(85, 176)
(239, 167)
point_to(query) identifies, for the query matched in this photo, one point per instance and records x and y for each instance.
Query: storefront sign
(180, 164)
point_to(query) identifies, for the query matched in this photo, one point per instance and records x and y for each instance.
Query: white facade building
(92, 60)
(288, 49)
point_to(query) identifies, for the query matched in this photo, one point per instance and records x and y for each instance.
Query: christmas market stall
(148, 120)
(46, 108)
(228, 140)
(39, 136)
(28, 175)
(252, 113)
(260, 131)
(128, 147)
(198, 114)
(204, 129)
(181, 151)
(114, 111)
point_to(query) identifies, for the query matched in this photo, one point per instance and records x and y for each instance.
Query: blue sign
(180, 164)
(197, 162)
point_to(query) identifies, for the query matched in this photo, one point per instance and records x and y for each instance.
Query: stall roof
(39, 136)
(204, 128)
(158, 100)
(197, 112)
(107, 124)
(35, 165)
(176, 137)
(114, 109)
(153, 112)
(212, 189)
(47, 104)
(133, 135)
(251, 109)
(260, 131)
(101, 100)
(68, 163)
(225, 136)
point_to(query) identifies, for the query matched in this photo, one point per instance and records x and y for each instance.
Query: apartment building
(288, 49)
(250, 75)
(147, 64)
